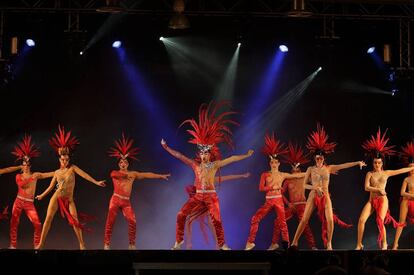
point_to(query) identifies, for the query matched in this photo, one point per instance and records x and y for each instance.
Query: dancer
(200, 213)
(296, 191)
(407, 192)
(319, 196)
(123, 180)
(375, 184)
(271, 183)
(25, 151)
(5, 213)
(211, 130)
(64, 179)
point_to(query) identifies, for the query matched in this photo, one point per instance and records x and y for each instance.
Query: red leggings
(279, 223)
(31, 213)
(211, 202)
(124, 205)
(297, 211)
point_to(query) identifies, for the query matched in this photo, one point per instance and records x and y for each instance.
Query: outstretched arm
(404, 192)
(40, 176)
(369, 188)
(336, 167)
(231, 177)
(47, 191)
(87, 177)
(391, 173)
(9, 169)
(149, 175)
(177, 154)
(232, 159)
(294, 176)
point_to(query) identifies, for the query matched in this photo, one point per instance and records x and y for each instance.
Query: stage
(187, 262)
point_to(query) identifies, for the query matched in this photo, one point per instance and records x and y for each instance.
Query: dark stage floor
(192, 261)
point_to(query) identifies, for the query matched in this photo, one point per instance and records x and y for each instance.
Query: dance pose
(407, 193)
(319, 196)
(271, 183)
(123, 180)
(375, 183)
(26, 181)
(200, 213)
(296, 191)
(207, 133)
(64, 180)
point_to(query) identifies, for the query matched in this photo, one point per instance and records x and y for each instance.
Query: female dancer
(25, 151)
(375, 183)
(64, 179)
(271, 183)
(123, 180)
(319, 175)
(407, 193)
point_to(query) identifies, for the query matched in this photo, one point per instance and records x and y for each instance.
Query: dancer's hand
(250, 152)
(382, 192)
(362, 164)
(39, 197)
(246, 175)
(163, 143)
(319, 190)
(101, 183)
(165, 176)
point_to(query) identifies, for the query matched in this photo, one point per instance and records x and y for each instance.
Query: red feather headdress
(295, 155)
(123, 149)
(25, 150)
(377, 147)
(273, 147)
(63, 142)
(211, 128)
(407, 153)
(318, 142)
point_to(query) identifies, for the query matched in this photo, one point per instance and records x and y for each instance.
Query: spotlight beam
(226, 89)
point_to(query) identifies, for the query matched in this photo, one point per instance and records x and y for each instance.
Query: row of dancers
(211, 129)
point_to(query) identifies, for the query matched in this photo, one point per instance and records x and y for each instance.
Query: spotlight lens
(161, 38)
(117, 44)
(238, 44)
(283, 48)
(30, 42)
(320, 69)
(371, 50)
(81, 53)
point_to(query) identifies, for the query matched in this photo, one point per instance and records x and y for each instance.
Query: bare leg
(365, 213)
(51, 211)
(329, 222)
(78, 231)
(383, 213)
(403, 217)
(305, 219)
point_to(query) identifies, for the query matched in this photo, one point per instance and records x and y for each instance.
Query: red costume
(376, 147)
(63, 143)
(318, 144)
(210, 130)
(272, 148)
(24, 151)
(120, 200)
(295, 157)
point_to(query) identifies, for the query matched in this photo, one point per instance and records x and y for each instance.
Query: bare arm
(47, 191)
(336, 167)
(40, 176)
(149, 175)
(306, 180)
(232, 159)
(369, 188)
(87, 177)
(177, 154)
(404, 192)
(391, 173)
(9, 169)
(231, 177)
(294, 176)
